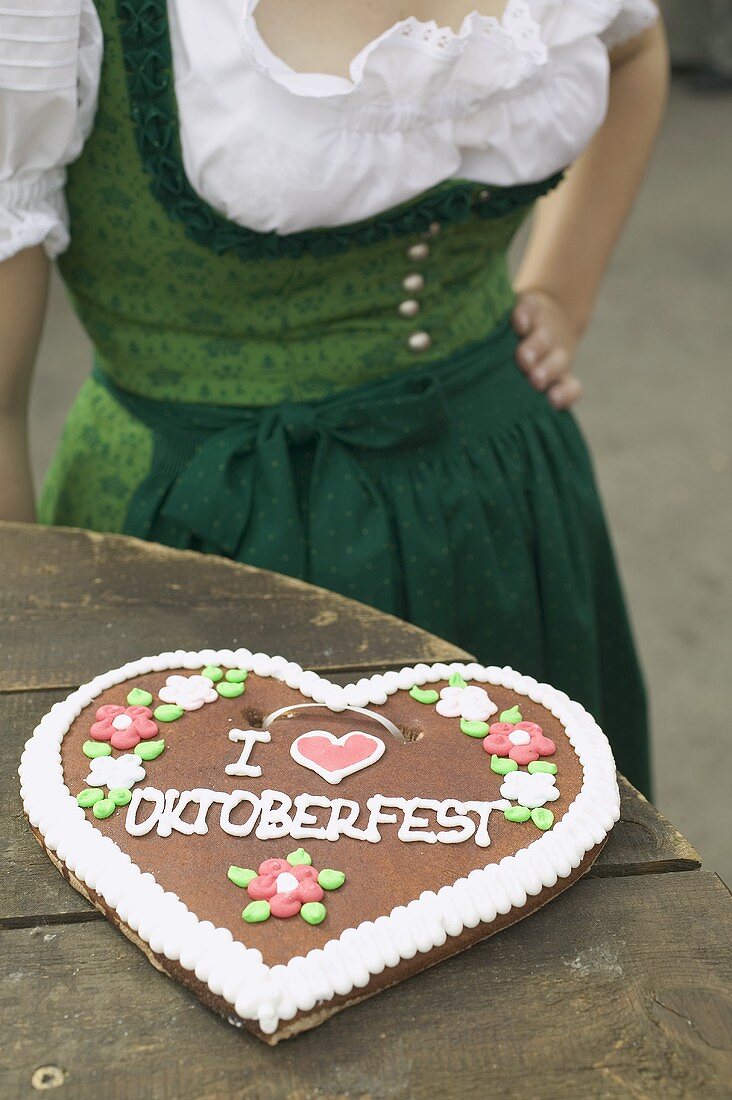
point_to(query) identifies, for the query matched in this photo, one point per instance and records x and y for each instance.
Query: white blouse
(499, 101)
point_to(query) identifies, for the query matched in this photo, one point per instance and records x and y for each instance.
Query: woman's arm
(576, 227)
(48, 92)
(23, 291)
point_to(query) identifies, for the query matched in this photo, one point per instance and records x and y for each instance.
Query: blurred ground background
(658, 369)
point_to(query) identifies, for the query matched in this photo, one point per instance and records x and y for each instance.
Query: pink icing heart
(333, 758)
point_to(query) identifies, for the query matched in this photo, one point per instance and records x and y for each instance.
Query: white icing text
(272, 814)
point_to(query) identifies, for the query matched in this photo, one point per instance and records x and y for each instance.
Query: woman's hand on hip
(548, 344)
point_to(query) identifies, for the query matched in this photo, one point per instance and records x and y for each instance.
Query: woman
(288, 248)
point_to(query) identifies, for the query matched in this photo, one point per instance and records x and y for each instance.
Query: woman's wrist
(578, 317)
(16, 481)
(23, 291)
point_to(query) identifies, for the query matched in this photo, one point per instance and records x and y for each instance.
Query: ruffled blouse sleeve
(50, 57)
(633, 17)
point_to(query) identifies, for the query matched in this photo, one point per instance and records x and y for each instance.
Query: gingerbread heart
(283, 872)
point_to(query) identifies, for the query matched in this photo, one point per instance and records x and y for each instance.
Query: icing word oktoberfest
(273, 814)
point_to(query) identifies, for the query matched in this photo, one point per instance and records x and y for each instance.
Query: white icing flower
(116, 772)
(530, 789)
(471, 703)
(188, 692)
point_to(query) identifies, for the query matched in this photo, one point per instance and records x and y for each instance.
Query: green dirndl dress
(263, 397)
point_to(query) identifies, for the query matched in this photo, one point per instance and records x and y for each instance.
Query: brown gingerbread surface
(435, 762)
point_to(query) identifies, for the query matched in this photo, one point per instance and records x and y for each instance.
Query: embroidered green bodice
(183, 304)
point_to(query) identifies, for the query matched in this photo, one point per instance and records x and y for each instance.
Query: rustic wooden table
(620, 988)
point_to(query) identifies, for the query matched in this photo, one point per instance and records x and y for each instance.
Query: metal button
(420, 341)
(413, 283)
(409, 308)
(419, 251)
(484, 195)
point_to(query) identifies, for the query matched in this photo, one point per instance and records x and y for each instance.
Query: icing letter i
(250, 738)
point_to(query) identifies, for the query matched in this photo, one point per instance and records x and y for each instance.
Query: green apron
(260, 396)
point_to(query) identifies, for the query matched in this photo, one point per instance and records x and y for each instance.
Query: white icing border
(237, 973)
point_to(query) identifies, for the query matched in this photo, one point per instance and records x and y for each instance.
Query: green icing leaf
(139, 698)
(256, 912)
(89, 796)
(313, 912)
(473, 729)
(542, 818)
(93, 749)
(298, 857)
(213, 673)
(168, 712)
(542, 766)
(517, 813)
(105, 807)
(427, 696)
(230, 691)
(456, 681)
(150, 750)
(330, 879)
(513, 715)
(120, 796)
(236, 675)
(503, 767)
(240, 876)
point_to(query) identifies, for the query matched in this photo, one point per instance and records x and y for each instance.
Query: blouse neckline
(516, 26)
(148, 64)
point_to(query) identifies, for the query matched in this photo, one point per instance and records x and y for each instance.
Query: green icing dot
(313, 912)
(542, 818)
(517, 813)
(120, 796)
(89, 796)
(330, 879)
(512, 715)
(139, 698)
(93, 749)
(426, 696)
(473, 729)
(298, 857)
(503, 767)
(236, 675)
(168, 712)
(240, 876)
(105, 807)
(456, 681)
(149, 750)
(230, 691)
(256, 912)
(542, 766)
(213, 673)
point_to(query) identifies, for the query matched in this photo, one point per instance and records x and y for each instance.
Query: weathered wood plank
(28, 889)
(643, 841)
(95, 601)
(534, 1011)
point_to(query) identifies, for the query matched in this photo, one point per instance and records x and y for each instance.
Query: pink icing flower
(520, 741)
(123, 727)
(285, 887)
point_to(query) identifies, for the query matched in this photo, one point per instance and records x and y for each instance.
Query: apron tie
(230, 480)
